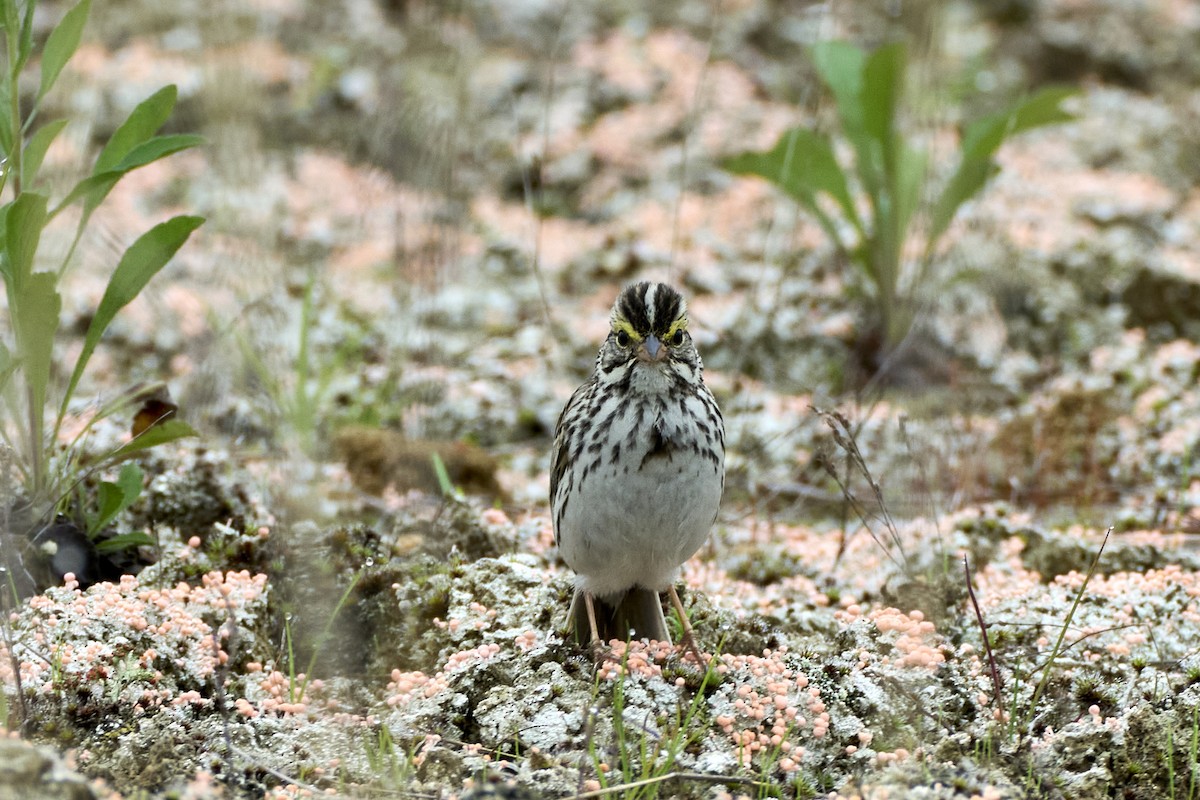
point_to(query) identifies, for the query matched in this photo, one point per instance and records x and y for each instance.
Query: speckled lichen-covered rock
(29, 772)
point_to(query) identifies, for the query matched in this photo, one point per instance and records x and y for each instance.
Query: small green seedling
(32, 407)
(889, 171)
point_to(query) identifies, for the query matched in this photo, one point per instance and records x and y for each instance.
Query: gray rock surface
(29, 772)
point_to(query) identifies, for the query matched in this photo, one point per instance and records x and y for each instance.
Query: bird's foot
(689, 638)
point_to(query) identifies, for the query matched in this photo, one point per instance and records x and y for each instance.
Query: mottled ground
(437, 203)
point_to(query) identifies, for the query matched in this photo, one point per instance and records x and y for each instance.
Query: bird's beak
(652, 349)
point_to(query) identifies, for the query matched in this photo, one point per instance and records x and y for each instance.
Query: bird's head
(649, 329)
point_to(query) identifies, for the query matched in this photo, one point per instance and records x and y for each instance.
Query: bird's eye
(622, 339)
(677, 339)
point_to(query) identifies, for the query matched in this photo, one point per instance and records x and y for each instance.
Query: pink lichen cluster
(482, 618)
(917, 642)
(767, 706)
(119, 639)
(745, 598)
(764, 705)
(802, 551)
(405, 687)
(639, 658)
(1112, 616)
(277, 693)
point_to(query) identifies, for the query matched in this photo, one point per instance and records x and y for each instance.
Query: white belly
(635, 523)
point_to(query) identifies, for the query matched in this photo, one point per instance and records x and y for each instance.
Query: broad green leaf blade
(882, 85)
(25, 41)
(141, 262)
(840, 65)
(110, 499)
(61, 45)
(968, 179)
(36, 147)
(124, 541)
(22, 232)
(5, 266)
(142, 123)
(170, 430)
(156, 148)
(35, 312)
(94, 188)
(130, 480)
(803, 165)
(113, 498)
(8, 366)
(984, 136)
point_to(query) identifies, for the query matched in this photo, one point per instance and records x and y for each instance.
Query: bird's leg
(599, 648)
(689, 639)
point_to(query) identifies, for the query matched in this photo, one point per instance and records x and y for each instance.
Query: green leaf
(130, 480)
(125, 541)
(156, 148)
(23, 225)
(36, 147)
(840, 65)
(443, 477)
(8, 366)
(803, 165)
(882, 86)
(94, 188)
(142, 123)
(167, 431)
(141, 262)
(97, 186)
(35, 312)
(110, 498)
(981, 140)
(61, 44)
(113, 498)
(984, 136)
(24, 35)
(968, 179)
(6, 134)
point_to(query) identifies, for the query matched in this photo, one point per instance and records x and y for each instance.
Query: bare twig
(997, 686)
(840, 427)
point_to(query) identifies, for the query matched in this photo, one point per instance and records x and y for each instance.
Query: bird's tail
(638, 614)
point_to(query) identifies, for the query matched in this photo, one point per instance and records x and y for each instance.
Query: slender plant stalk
(997, 686)
(1037, 694)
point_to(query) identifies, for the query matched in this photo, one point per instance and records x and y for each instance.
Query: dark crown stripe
(650, 307)
(632, 306)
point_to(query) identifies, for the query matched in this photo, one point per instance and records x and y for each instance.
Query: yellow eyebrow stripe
(678, 325)
(623, 325)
